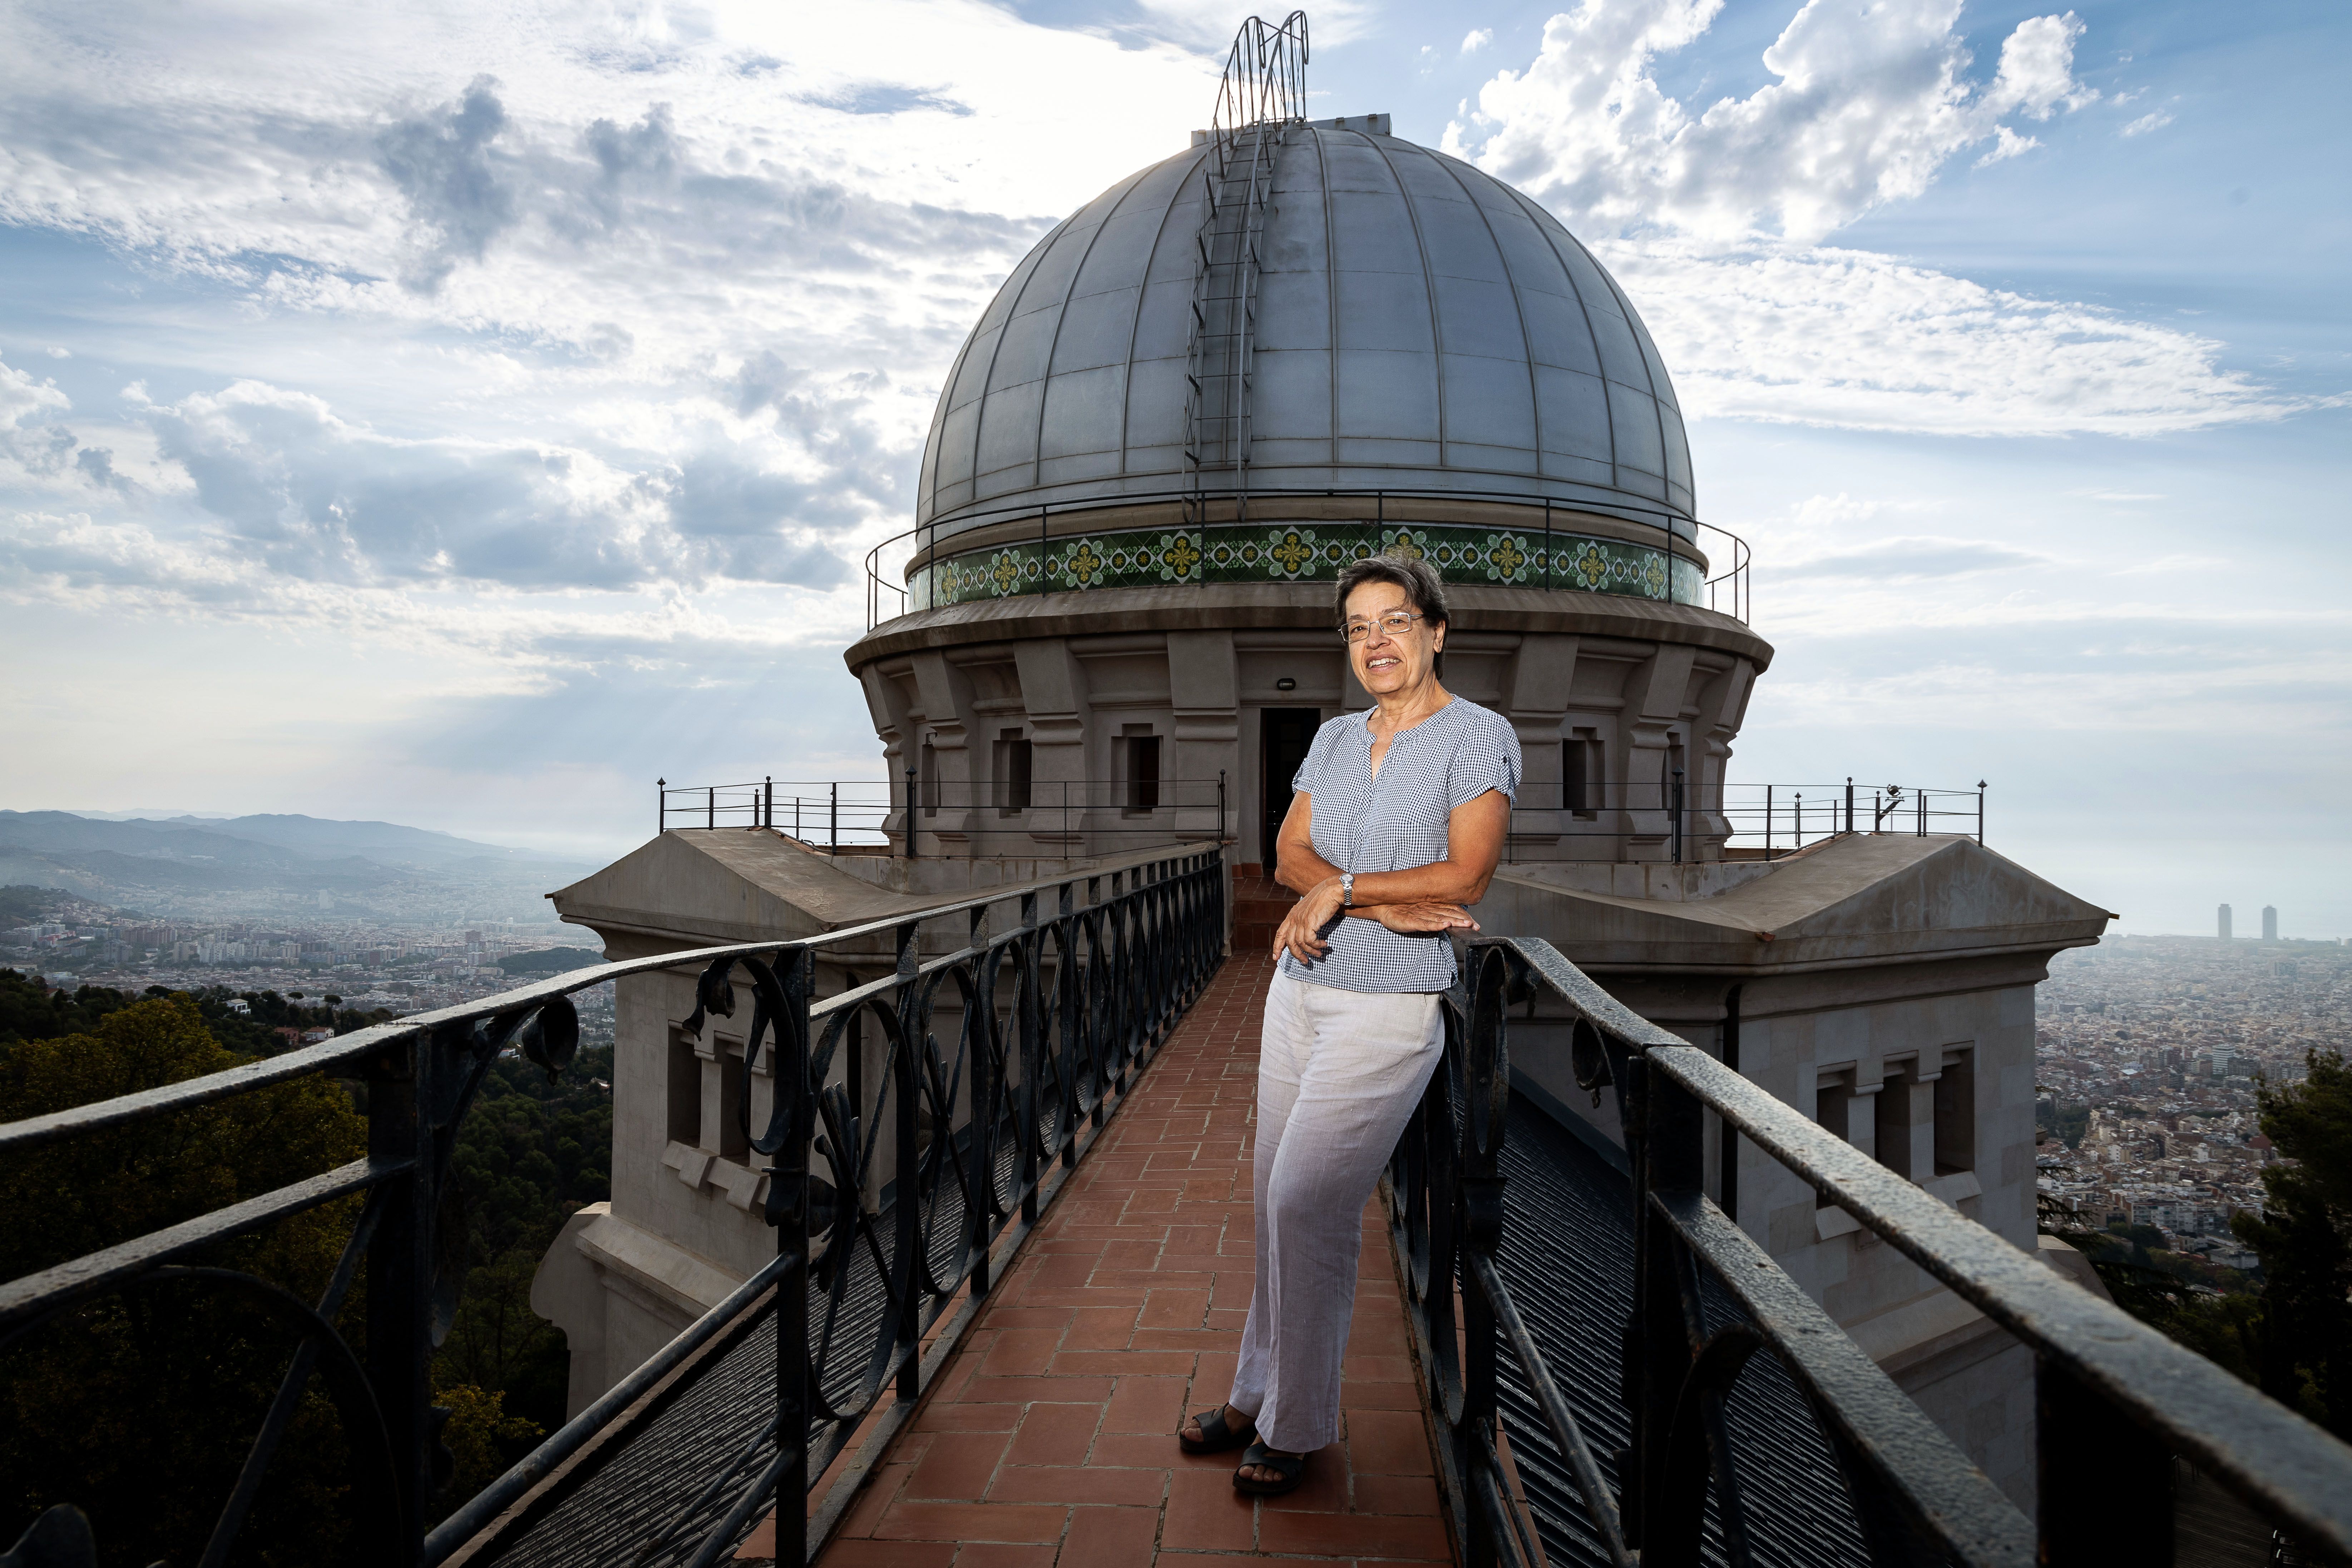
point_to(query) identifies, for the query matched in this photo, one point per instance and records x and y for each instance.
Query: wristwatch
(1347, 889)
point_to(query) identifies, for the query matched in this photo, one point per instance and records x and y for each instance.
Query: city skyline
(472, 430)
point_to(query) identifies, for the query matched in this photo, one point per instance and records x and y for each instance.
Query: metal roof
(1419, 326)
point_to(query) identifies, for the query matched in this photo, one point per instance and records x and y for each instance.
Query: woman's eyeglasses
(1395, 623)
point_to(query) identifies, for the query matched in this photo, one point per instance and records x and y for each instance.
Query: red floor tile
(1050, 1440)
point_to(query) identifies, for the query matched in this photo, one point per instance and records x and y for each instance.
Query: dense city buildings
(2150, 1050)
(403, 967)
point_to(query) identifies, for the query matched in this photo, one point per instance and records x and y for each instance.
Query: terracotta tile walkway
(1050, 1438)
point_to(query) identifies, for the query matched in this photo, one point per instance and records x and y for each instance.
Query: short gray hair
(1400, 565)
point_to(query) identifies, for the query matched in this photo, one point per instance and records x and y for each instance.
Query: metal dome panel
(1420, 326)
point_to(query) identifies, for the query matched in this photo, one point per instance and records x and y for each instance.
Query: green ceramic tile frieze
(1299, 552)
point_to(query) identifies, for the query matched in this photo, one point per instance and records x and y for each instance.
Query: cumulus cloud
(1715, 219)
(1868, 105)
(2156, 120)
(287, 481)
(39, 451)
(441, 163)
(1476, 38)
(587, 333)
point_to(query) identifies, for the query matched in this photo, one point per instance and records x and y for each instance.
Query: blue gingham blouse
(1392, 822)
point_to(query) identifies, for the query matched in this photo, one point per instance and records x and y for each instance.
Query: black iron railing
(1019, 815)
(1014, 815)
(2118, 1404)
(897, 1169)
(1677, 814)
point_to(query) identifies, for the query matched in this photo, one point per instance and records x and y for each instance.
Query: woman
(1396, 821)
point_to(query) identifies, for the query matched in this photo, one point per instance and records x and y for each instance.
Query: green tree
(2304, 1237)
(169, 1379)
(165, 1382)
(33, 1012)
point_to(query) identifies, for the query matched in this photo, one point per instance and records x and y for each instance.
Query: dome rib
(1519, 305)
(1412, 336)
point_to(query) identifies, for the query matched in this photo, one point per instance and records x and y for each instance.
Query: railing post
(788, 1184)
(768, 803)
(1676, 808)
(1920, 803)
(661, 807)
(1032, 1120)
(832, 833)
(1980, 789)
(710, 806)
(399, 1284)
(1849, 803)
(1671, 1160)
(1768, 821)
(2104, 1491)
(909, 1061)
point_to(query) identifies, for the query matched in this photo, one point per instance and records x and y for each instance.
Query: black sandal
(1216, 1434)
(1290, 1468)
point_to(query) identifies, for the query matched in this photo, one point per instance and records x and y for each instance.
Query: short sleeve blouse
(1392, 822)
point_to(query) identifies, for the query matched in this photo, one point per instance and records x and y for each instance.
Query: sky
(462, 415)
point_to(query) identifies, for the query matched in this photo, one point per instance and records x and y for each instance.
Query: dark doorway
(1283, 736)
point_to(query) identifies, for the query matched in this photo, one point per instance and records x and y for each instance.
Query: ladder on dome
(1262, 95)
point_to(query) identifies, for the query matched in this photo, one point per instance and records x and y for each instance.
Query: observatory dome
(1413, 325)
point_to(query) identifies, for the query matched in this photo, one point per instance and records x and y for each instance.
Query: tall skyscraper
(2225, 922)
(2270, 922)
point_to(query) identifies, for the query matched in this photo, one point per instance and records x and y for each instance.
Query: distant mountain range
(103, 855)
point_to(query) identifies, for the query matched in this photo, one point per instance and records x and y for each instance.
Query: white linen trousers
(1339, 1075)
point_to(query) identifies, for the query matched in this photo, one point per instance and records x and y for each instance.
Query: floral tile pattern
(1296, 552)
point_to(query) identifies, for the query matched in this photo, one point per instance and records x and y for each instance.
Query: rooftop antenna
(1261, 96)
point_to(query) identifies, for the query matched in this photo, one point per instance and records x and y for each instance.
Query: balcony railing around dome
(1751, 821)
(1014, 816)
(1022, 816)
(892, 1198)
(1681, 542)
(2118, 1405)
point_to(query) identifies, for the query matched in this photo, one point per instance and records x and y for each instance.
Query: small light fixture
(1285, 684)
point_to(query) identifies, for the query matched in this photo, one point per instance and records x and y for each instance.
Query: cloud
(2156, 120)
(891, 98)
(1869, 104)
(1476, 38)
(1714, 219)
(441, 162)
(1818, 335)
(1910, 559)
(287, 481)
(40, 453)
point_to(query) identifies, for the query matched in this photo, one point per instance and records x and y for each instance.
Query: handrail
(1727, 590)
(1048, 1019)
(2117, 1400)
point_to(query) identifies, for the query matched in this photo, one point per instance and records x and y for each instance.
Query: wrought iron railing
(1752, 820)
(895, 1177)
(2118, 1404)
(1014, 815)
(1019, 815)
